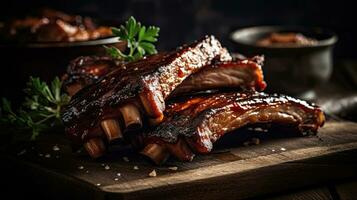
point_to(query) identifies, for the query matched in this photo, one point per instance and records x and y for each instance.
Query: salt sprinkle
(40, 154)
(98, 184)
(173, 168)
(136, 167)
(57, 156)
(273, 150)
(80, 167)
(153, 173)
(87, 171)
(107, 167)
(116, 179)
(102, 164)
(126, 159)
(118, 174)
(55, 148)
(283, 149)
(48, 155)
(21, 152)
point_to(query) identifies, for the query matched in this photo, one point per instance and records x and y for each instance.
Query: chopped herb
(139, 40)
(40, 110)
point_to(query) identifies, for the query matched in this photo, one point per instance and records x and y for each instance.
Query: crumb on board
(126, 159)
(55, 148)
(153, 173)
(173, 168)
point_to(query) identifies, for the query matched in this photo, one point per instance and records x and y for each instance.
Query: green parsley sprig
(40, 111)
(139, 40)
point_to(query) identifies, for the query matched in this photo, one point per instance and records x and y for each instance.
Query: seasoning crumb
(126, 159)
(136, 167)
(173, 168)
(152, 173)
(81, 167)
(21, 152)
(283, 149)
(98, 184)
(118, 174)
(55, 148)
(48, 155)
(116, 179)
(107, 167)
(273, 150)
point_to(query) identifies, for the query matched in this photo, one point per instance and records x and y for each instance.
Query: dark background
(184, 21)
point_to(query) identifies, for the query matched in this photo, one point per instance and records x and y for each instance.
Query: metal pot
(294, 70)
(44, 60)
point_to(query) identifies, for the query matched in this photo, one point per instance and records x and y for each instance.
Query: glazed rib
(139, 88)
(245, 74)
(198, 122)
(86, 70)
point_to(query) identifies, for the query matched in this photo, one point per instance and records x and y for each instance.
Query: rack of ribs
(192, 125)
(116, 103)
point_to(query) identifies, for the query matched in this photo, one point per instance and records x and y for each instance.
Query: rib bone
(111, 128)
(156, 152)
(95, 147)
(131, 116)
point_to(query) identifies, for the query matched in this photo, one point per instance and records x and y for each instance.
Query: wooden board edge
(227, 168)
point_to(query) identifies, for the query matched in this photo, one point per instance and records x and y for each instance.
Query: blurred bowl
(44, 60)
(293, 69)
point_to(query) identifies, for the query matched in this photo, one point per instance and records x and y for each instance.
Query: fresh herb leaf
(40, 110)
(139, 40)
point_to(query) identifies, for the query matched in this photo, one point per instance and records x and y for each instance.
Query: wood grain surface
(233, 170)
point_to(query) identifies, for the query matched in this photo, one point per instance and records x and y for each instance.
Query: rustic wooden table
(314, 167)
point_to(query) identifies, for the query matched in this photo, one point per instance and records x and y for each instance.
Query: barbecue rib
(197, 122)
(243, 74)
(86, 70)
(138, 88)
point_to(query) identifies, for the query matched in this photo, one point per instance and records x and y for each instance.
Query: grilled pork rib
(244, 74)
(194, 124)
(86, 70)
(139, 88)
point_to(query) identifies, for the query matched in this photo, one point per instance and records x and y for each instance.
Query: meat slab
(86, 70)
(192, 125)
(139, 88)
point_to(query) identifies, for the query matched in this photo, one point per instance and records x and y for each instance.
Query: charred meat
(139, 88)
(244, 74)
(194, 124)
(53, 26)
(86, 70)
(240, 73)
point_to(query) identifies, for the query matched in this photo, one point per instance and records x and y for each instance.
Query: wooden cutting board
(236, 170)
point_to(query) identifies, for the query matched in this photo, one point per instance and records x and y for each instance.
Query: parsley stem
(45, 119)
